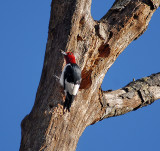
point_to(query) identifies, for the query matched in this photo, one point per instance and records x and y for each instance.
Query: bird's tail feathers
(68, 101)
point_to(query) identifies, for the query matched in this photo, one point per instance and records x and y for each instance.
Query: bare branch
(135, 95)
(126, 21)
(96, 45)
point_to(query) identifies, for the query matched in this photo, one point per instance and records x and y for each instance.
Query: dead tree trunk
(96, 45)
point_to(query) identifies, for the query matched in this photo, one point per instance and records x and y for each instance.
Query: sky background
(23, 37)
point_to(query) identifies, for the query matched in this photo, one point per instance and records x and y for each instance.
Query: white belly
(71, 88)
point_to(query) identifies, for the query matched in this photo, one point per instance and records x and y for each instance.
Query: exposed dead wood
(96, 45)
(135, 95)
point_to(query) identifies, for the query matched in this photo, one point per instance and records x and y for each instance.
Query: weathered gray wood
(135, 95)
(96, 45)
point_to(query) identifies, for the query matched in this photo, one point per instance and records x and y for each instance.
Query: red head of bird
(69, 57)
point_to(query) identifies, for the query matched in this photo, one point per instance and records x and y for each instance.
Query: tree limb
(131, 97)
(96, 45)
(123, 23)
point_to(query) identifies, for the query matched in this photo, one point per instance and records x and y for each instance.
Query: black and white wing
(72, 79)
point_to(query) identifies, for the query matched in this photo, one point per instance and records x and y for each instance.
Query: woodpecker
(70, 78)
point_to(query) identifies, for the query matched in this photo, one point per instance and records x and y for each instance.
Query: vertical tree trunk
(96, 45)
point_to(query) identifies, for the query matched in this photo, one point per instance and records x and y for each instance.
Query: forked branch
(96, 45)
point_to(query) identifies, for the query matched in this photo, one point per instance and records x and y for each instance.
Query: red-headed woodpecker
(70, 79)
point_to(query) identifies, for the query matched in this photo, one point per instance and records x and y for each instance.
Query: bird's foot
(57, 78)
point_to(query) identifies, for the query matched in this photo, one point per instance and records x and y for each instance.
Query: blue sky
(24, 29)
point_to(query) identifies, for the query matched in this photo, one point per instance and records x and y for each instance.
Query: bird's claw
(57, 78)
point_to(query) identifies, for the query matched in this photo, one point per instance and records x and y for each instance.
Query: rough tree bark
(96, 45)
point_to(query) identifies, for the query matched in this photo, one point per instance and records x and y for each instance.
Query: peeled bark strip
(96, 45)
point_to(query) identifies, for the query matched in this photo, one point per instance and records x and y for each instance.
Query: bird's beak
(63, 52)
